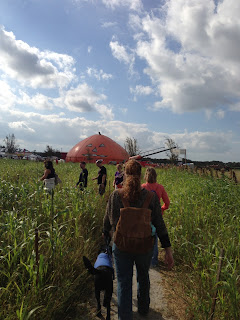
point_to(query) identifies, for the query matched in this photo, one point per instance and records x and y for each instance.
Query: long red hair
(132, 182)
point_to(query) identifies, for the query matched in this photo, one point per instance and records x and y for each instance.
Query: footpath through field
(158, 306)
(165, 294)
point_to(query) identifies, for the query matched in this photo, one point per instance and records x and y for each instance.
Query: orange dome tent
(96, 147)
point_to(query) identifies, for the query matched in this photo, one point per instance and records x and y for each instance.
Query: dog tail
(89, 266)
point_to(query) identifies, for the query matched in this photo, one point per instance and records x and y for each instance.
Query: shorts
(101, 189)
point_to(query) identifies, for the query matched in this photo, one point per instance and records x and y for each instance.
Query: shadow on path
(158, 307)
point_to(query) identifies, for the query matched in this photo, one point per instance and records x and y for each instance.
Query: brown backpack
(133, 231)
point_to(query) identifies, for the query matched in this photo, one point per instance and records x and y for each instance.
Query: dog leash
(107, 239)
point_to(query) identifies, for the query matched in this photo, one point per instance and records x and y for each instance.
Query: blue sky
(128, 68)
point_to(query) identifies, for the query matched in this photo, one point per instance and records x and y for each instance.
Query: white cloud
(79, 99)
(220, 114)
(192, 54)
(124, 110)
(108, 24)
(123, 54)
(63, 133)
(38, 101)
(104, 111)
(135, 22)
(33, 67)
(7, 97)
(235, 107)
(120, 53)
(135, 5)
(99, 74)
(201, 145)
(20, 125)
(84, 99)
(140, 90)
(205, 142)
(89, 49)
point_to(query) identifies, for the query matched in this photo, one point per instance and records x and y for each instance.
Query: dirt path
(168, 299)
(166, 294)
(158, 306)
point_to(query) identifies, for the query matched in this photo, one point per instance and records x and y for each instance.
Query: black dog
(103, 277)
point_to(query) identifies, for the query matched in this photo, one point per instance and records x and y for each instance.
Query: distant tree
(170, 143)
(10, 143)
(50, 152)
(131, 146)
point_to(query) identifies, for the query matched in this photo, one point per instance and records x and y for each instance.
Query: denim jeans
(124, 263)
(155, 251)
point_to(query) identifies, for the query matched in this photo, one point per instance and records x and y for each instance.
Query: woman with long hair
(135, 197)
(48, 176)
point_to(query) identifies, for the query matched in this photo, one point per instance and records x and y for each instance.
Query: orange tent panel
(97, 147)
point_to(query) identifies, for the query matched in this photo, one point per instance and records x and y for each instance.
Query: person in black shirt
(101, 178)
(82, 182)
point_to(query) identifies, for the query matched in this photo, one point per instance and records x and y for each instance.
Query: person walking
(83, 177)
(152, 185)
(129, 214)
(48, 176)
(102, 177)
(118, 179)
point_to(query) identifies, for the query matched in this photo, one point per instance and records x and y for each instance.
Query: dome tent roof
(96, 147)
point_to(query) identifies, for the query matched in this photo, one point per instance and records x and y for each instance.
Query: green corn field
(43, 238)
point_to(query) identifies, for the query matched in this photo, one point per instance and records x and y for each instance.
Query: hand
(137, 157)
(169, 258)
(107, 236)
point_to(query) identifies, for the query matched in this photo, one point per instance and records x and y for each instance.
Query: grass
(68, 227)
(203, 218)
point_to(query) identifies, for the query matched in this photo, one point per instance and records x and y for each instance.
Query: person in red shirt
(152, 185)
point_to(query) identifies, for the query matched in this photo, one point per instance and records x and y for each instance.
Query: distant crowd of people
(134, 219)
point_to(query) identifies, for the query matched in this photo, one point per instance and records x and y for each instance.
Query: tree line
(12, 147)
(131, 146)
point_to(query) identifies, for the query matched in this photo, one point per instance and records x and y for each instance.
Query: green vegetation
(69, 226)
(203, 218)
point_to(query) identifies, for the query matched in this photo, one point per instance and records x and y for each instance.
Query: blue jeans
(124, 269)
(155, 251)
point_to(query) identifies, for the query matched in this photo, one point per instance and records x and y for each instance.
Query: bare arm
(103, 178)
(166, 200)
(46, 173)
(137, 157)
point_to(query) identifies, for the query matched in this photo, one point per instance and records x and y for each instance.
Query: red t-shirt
(160, 191)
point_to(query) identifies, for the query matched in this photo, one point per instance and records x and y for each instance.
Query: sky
(144, 69)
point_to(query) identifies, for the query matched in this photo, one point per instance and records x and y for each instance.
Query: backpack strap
(124, 201)
(145, 204)
(148, 199)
